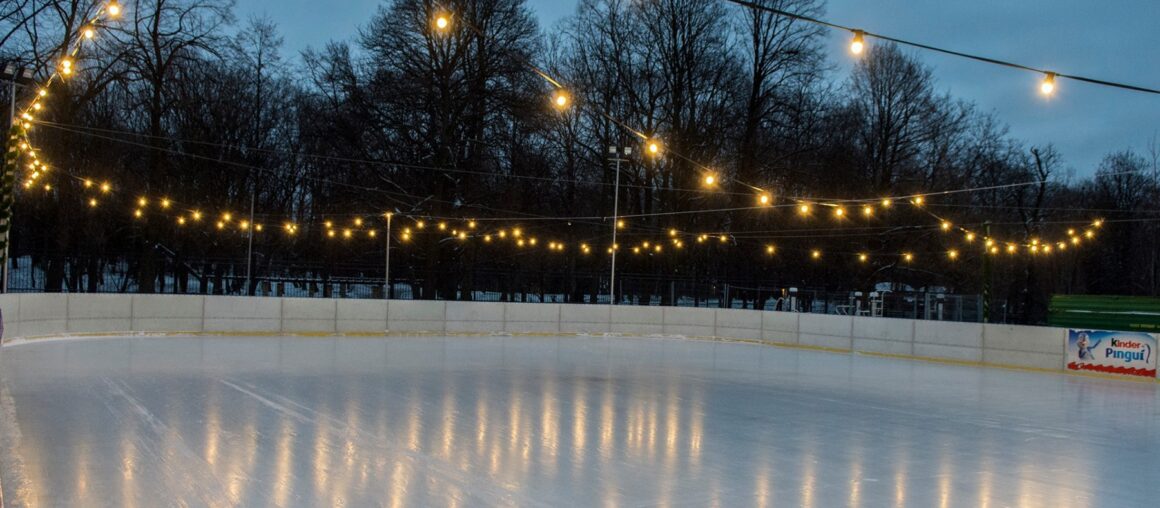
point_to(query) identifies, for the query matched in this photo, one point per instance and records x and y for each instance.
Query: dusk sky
(1114, 41)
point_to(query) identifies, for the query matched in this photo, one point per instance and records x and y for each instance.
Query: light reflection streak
(579, 424)
(284, 463)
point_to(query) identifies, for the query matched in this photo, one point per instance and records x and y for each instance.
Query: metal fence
(547, 287)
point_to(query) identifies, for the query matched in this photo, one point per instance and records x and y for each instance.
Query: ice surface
(526, 421)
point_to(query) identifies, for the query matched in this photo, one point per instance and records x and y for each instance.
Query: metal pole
(986, 274)
(7, 234)
(615, 226)
(387, 277)
(250, 248)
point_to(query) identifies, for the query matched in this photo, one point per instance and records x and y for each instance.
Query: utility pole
(618, 154)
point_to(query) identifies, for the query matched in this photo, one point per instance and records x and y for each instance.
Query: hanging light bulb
(863, 258)
(946, 225)
(771, 250)
(89, 33)
(804, 209)
(816, 254)
(710, 180)
(1047, 87)
(953, 254)
(908, 257)
(114, 9)
(858, 43)
(868, 211)
(443, 22)
(839, 212)
(653, 147)
(561, 99)
(765, 199)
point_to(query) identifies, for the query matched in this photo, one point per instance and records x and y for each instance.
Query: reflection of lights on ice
(521, 420)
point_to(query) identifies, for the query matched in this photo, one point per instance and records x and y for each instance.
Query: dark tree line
(180, 99)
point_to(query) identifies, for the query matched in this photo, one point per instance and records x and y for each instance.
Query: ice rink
(555, 421)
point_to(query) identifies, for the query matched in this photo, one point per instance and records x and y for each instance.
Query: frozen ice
(555, 421)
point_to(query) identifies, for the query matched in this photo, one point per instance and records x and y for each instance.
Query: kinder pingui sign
(1123, 353)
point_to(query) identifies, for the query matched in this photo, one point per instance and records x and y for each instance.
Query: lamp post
(18, 76)
(617, 155)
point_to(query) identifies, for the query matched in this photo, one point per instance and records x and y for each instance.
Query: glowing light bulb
(654, 147)
(1047, 87)
(620, 224)
(89, 33)
(673, 233)
(181, 221)
(92, 203)
(868, 211)
(443, 22)
(196, 216)
(970, 237)
(114, 9)
(769, 249)
(863, 258)
(358, 222)
(764, 199)
(858, 44)
(919, 201)
(561, 99)
(817, 254)
(953, 254)
(908, 257)
(106, 188)
(839, 212)
(420, 225)
(710, 180)
(471, 225)
(946, 226)
(804, 209)
(142, 202)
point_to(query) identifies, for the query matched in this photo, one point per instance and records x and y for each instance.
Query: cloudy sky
(1114, 40)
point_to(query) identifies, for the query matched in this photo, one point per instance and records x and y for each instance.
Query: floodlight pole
(617, 153)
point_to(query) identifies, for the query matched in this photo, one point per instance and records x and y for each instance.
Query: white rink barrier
(46, 315)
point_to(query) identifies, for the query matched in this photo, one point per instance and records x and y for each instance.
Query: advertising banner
(1123, 353)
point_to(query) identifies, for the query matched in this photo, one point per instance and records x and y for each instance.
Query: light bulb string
(928, 47)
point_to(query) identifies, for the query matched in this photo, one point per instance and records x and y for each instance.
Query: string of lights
(858, 46)
(359, 226)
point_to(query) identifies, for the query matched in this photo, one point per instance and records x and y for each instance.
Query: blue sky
(1113, 40)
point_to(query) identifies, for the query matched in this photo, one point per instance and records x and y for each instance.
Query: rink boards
(47, 315)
